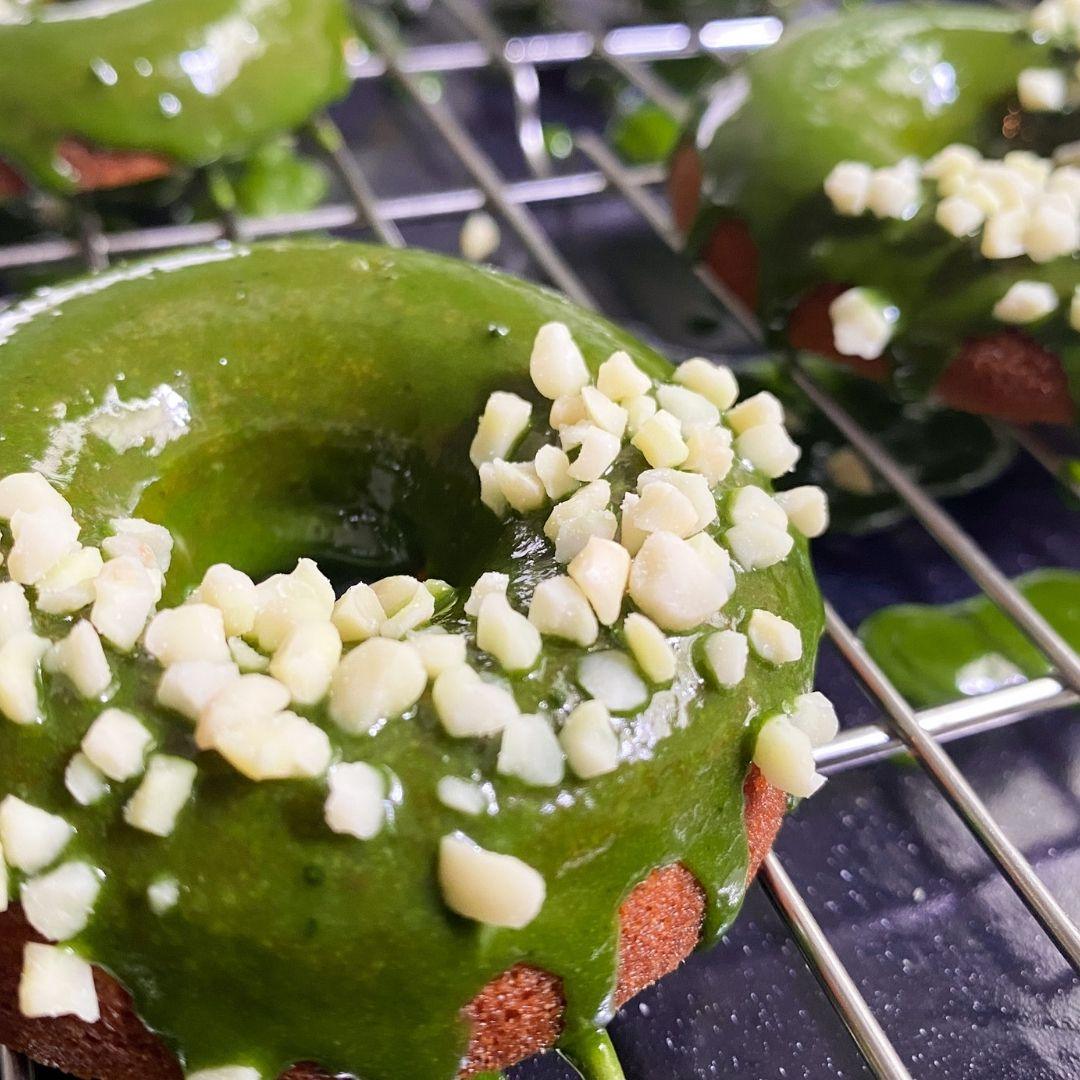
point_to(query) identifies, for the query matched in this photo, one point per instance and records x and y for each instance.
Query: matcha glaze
(878, 85)
(330, 393)
(194, 81)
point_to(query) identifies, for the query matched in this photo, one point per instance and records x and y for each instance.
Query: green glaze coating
(878, 85)
(332, 391)
(929, 651)
(193, 80)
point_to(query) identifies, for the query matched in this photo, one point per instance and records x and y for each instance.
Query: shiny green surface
(928, 650)
(879, 85)
(333, 390)
(193, 80)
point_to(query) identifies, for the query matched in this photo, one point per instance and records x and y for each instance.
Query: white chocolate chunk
(233, 593)
(661, 507)
(863, 323)
(480, 237)
(761, 408)
(602, 570)
(438, 650)
(785, 757)
(467, 706)
(769, 448)
(247, 658)
(611, 678)
(813, 714)
(378, 680)
(31, 838)
(757, 545)
(56, 982)
(774, 639)
(594, 496)
(250, 696)
(163, 895)
(490, 493)
(710, 454)
(1026, 302)
(959, 216)
(638, 410)
(461, 795)
(693, 487)
(31, 493)
(589, 741)
(42, 539)
(84, 781)
(20, 660)
(14, 611)
(560, 609)
(552, 466)
(355, 804)
(81, 660)
(69, 585)
(1003, 234)
(650, 648)
(598, 452)
(130, 533)
(566, 411)
(576, 533)
(188, 632)
(189, 686)
(715, 382)
(749, 504)
(556, 365)
(1052, 230)
(691, 409)
(1042, 89)
(494, 889)
(507, 634)
(58, 904)
(306, 661)
(660, 440)
(603, 412)
(116, 743)
(726, 652)
(620, 379)
(125, 593)
(504, 420)
(279, 747)
(358, 615)
(806, 507)
(848, 187)
(672, 584)
(286, 600)
(520, 485)
(490, 583)
(530, 751)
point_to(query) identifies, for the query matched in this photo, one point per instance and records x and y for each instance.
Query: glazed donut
(916, 221)
(419, 828)
(101, 94)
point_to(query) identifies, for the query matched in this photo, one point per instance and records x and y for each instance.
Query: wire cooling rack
(450, 37)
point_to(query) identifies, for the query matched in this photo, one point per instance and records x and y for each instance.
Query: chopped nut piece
(490, 493)
(80, 658)
(691, 409)
(757, 545)
(727, 652)
(116, 743)
(598, 452)
(286, 600)
(638, 410)
(69, 586)
(189, 632)
(553, 468)
(603, 412)
(461, 795)
(602, 570)
(769, 448)
(408, 603)
(84, 781)
(594, 496)
(761, 408)
(506, 634)
(42, 539)
(438, 650)
(715, 558)
(567, 411)
(125, 593)
(621, 379)
(56, 982)
(505, 418)
(467, 706)
(378, 680)
(863, 323)
(306, 660)
(58, 904)
(749, 504)
(31, 838)
(29, 492)
(282, 746)
(694, 487)
(660, 439)
(713, 381)
(233, 593)
(650, 648)
(560, 609)
(1027, 302)
(589, 741)
(1003, 234)
(896, 191)
(611, 678)
(1052, 230)
(774, 639)
(1042, 90)
(498, 890)
(245, 657)
(20, 659)
(189, 686)
(358, 614)
(786, 759)
(556, 365)
(354, 805)
(959, 216)
(848, 187)
(807, 508)
(530, 751)
(487, 584)
(520, 485)
(14, 611)
(710, 454)
(131, 534)
(673, 585)
(577, 532)
(662, 507)
(813, 714)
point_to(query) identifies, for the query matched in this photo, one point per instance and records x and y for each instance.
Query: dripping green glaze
(195, 81)
(333, 390)
(924, 648)
(879, 85)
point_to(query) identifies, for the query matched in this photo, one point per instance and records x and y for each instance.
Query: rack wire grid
(409, 72)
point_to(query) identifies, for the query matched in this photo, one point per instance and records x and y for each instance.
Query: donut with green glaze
(416, 828)
(893, 188)
(105, 93)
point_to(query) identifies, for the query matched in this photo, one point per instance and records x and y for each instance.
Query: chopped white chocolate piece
(594, 496)
(620, 379)
(556, 365)
(116, 743)
(490, 583)
(848, 187)
(660, 439)
(125, 593)
(188, 632)
(530, 751)
(69, 586)
(785, 757)
(611, 678)
(31, 838)
(20, 661)
(56, 982)
(1052, 230)
(598, 452)
(715, 382)
(283, 746)
(247, 658)
(31, 493)
(896, 191)
(727, 652)
(769, 448)
(603, 412)
(567, 411)
(467, 706)
(480, 237)
(14, 611)
(84, 781)
(959, 216)
(520, 485)
(814, 715)
(494, 889)
(578, 531)
(710, 454)
(661, 507)
(672, 584)
(306, 660)
(461, 795)
(378, 680)
(650, 647)
(233, 593)
(490, 493)
(757, 544)
(504, 421)
(638, 410)
(81, 660)
(761, 408)
(774, 639)
(42, 539)
(1042, 89)
(691, 409)
(1027, 302)
(750, 503)
(1003, 234)
(863, 323)
(129, 534)
(560, 609)
(507, 634)
(358, 615)
(806, 507)
(286, 600)
(163, 895)
(438, 650)
(602, 570)
(257, 696)
(552, 466)
(407, 602)
(589, 741)
(355, 804)
(58, 904)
